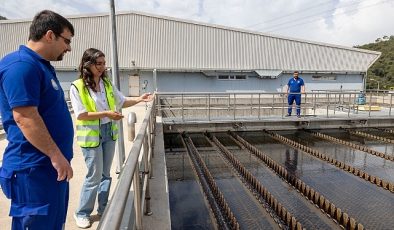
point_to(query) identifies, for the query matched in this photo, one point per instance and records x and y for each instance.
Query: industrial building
(189, 56)
(215, 151)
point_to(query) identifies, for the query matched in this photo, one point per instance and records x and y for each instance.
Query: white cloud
(343, 22)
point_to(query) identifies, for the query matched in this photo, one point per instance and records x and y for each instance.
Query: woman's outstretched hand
(146, 97)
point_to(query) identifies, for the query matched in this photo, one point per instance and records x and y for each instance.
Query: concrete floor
(76, 182)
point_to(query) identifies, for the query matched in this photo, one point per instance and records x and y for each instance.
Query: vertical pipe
(115, 79)
(155, 80)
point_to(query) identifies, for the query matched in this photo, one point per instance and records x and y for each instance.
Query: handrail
(209, 106)
(114, 212)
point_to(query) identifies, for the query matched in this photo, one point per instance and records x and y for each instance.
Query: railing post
(235, 105)
(251, 104)
(259, 112)
(328, 102)
(146, 173)
(229, 105)
(273, 102)
(209, 107)
(137, 198)
(335, 103)
(314, 105)
(283, 105)
(350, 96)
(370, 104)
(151, 141)
(183, 119)
(391, 103)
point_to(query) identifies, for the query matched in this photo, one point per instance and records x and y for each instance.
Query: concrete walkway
(79, 168)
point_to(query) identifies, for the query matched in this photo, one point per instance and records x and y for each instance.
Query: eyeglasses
(66, 40)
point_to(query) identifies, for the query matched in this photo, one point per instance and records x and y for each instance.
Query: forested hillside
(383, 69)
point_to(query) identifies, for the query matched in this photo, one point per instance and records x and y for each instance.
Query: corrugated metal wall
(166, 43)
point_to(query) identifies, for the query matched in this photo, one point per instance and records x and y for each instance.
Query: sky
(340, 22)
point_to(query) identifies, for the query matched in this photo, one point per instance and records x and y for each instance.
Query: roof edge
(204, 24)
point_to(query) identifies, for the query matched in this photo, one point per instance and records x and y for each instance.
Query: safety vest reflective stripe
(91, 139)
(88, 127)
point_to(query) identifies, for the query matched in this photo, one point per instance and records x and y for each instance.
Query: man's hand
(62, 166)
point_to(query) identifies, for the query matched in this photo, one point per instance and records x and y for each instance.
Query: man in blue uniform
(295, 87)
(36, 163)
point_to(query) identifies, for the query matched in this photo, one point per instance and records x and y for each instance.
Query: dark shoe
(288, 115)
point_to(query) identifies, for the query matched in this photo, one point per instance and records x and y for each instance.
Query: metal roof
(268, 73)
(147, 41)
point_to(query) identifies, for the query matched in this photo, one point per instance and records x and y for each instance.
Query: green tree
(383, 69)
(2, 18)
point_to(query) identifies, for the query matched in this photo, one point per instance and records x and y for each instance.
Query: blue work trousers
(98, 179)
(291, 98)
(38, 200)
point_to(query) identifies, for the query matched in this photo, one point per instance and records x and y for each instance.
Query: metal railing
(125, 209)
(202, 106)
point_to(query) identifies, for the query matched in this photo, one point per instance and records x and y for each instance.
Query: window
(223, 77)
(232, 77)
(324, 77)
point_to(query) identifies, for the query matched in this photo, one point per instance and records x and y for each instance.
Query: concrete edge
(160, 205)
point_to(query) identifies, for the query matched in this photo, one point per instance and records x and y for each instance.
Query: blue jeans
(98, 179)
(290, 100)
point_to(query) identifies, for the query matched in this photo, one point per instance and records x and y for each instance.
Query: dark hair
(48, 20)
(89, 57)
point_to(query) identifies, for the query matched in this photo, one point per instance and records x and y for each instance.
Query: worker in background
(295, 87)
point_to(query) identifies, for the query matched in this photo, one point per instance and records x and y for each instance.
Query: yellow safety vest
(88, 131)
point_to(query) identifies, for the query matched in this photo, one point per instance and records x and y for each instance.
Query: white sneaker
(82, 222)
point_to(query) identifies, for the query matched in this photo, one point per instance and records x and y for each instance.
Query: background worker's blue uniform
(294, 87)
(27, 177)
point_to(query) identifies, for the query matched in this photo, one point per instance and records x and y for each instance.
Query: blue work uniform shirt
(26, 79)
(295, 85)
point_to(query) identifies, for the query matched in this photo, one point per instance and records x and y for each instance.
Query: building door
(134, 85)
